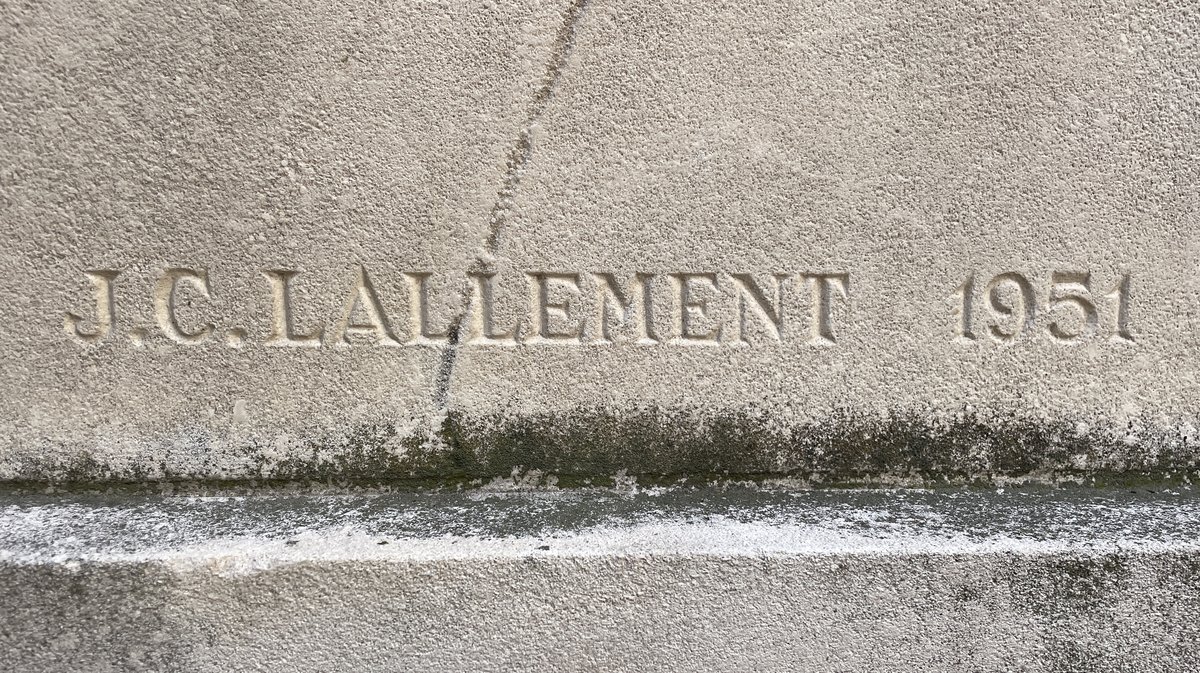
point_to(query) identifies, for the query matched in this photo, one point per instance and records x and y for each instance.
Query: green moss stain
(842, 449)
(589, 446)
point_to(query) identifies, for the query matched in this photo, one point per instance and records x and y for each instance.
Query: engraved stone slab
(844, 241)
(217, 216)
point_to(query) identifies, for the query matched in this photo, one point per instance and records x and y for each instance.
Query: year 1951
(1008, 307)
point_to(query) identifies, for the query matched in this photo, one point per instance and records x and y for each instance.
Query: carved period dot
(235, 337)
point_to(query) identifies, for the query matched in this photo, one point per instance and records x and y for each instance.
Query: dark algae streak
(590, 446)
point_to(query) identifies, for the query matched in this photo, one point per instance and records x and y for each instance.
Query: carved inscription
(1009, 306)
(690, 309)
(283, 328)
(595, 309)
(166, 293)
(106, 308)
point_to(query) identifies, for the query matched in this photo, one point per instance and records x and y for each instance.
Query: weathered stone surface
(662, 580)
(222, 146)
(876, 241)
(913, 147)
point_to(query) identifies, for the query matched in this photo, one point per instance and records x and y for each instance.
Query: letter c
(164, 304)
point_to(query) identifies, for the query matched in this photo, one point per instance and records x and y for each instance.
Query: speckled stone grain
(859, 163)
(660, 580)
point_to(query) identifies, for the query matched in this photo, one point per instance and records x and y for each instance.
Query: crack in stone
(518, 158)
(441, 380)
(523, 148)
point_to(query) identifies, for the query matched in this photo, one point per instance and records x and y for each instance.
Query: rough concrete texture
(876, 240)
(662, 580)
(912, 146)
(198, 153)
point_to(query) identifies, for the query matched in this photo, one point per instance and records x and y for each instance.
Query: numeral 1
(965, 294)
(1121, 295)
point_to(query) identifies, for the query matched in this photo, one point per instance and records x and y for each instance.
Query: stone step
(730, 578)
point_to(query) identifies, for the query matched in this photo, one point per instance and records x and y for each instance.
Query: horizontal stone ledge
(659, 579)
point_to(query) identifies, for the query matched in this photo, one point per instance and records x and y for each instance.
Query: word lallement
(596, 308)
